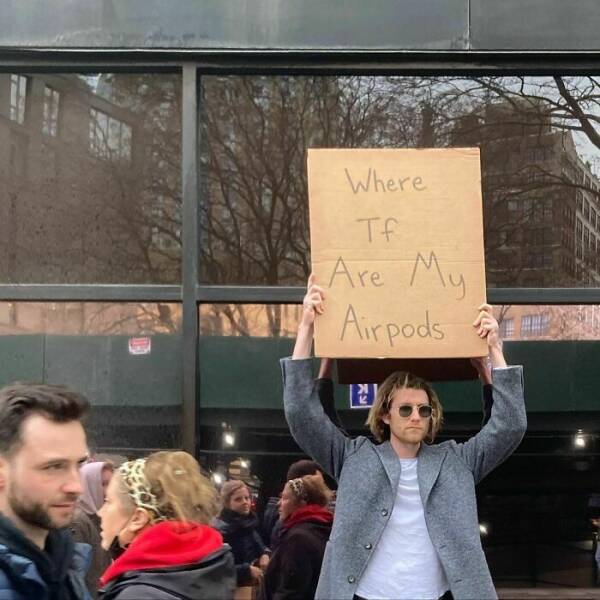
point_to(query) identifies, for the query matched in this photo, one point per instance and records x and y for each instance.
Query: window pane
(551, 323)
(240, 390)
(539, 167)
(125, 358)
(78, 204)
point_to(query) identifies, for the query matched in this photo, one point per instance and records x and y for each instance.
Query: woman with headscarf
(95, 477)
(158, 509)
(294, 569)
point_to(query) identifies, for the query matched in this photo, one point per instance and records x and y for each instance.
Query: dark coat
(270, 519)
(241, 533)
(86, 529)
(211, 578)
(294, 569)
(28, 573)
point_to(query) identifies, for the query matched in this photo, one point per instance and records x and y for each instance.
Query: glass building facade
(154, 243)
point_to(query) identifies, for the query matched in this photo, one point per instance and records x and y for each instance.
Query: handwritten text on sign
(397, 243)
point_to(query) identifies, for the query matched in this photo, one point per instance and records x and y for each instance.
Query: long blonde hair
(172, 487)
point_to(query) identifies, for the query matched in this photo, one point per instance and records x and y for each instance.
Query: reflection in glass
(549, 323)
(51, 108)
(90, 178)
(250, 320)
(18, 89)
(124, 357)
(540, 145)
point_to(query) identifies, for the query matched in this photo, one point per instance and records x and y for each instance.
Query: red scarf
(165, 544)
(310, 512)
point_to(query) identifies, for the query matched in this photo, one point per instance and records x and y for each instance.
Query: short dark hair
(19, 401)
(303, 467)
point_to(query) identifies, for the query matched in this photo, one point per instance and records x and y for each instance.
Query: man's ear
(386, 418)
(139, 520)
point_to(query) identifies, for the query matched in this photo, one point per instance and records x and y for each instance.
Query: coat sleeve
(242, 574)
(505, 429)
(311, 428)
(327, 399)
(261, 547)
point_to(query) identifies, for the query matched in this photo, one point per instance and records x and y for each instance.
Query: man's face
(40, 481)
(412, 429)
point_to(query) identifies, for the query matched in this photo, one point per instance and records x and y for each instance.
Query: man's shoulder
(440, 449)
(16, 567)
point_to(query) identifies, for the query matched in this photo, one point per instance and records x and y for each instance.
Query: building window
(51, 104)
(109, 137)
(533, 325)
(507, 328)
(18, 91)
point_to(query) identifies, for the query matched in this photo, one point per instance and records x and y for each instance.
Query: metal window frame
(193, 65)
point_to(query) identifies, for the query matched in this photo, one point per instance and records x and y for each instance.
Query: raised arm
(325, 392)
(312, 305)
(311, 428)
(508, 421)
(483, 367)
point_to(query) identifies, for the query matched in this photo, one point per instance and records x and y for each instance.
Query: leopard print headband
(298, 488)
(132, 473)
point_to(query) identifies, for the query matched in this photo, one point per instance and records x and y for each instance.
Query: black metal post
(189, 267)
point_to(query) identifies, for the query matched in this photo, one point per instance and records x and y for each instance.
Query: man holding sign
(406, 515)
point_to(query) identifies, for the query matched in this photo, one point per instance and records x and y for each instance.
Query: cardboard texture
(397, 244)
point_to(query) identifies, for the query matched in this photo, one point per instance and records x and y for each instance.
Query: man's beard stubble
(32, 513)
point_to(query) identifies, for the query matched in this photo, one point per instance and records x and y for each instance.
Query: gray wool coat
(368, 476)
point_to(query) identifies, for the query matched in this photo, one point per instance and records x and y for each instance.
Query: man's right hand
(312, 305)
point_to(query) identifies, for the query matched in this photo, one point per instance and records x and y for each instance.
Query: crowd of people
(405, 523)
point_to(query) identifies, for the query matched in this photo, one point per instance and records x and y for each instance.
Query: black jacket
(241, 533)
(27, 572)
(209, 579)
(294, 568)
(270, 519)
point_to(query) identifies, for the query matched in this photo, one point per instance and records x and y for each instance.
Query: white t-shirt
(404, 563)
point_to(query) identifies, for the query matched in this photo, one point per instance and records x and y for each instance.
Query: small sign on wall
(140, 345)
(362, 395)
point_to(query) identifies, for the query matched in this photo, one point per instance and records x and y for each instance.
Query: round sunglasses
(405, 410)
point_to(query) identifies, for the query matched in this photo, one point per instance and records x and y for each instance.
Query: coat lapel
(391, 463)
(428, 469)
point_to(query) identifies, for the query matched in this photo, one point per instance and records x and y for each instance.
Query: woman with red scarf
(158, 510)
(293, 572)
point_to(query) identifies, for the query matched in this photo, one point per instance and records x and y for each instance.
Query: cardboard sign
(397, 244)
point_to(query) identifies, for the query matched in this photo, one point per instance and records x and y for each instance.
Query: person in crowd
(406, 514)
(300, 468)
(42, 447)
(239, 527)
(293, 572)
(271, 524)
(86, 523)
(158, 510)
